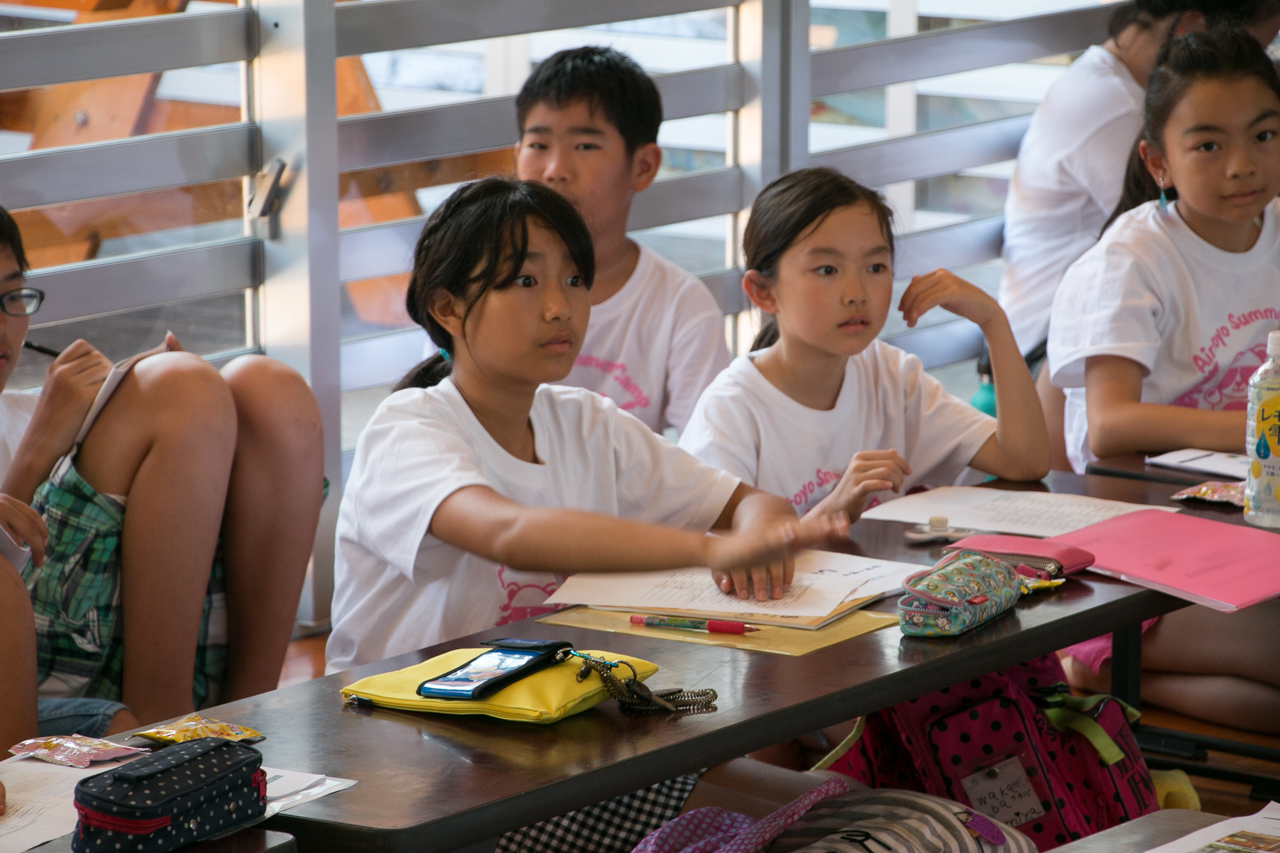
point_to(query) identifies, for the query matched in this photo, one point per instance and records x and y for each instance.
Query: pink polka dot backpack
(1015, 746)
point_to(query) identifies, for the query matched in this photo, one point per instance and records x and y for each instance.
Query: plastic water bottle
(1262, 441)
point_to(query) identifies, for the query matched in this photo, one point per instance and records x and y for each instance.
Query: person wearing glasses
(165, 552)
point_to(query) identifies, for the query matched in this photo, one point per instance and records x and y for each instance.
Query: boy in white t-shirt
(1158, 328)
(822, 412)
(589, 122)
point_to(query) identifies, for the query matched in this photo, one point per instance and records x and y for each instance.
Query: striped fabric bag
(830, 819)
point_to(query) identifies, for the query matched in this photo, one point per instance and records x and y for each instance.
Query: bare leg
(165, 441)
(1197, 640)
(1213, 666)
(17, 660)
(754, 788)
(1054, 404)
(273, 506)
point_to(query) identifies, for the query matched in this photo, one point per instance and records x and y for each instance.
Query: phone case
(1044, 558)
(546, 654)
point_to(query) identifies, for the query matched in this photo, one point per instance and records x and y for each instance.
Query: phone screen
(490, 665)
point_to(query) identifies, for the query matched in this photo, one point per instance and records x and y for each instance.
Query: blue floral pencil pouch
(964, 590)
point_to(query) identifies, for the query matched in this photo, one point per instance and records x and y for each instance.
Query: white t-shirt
(16, 410)
(1195, 317)
(754, 431)
(1066, 183)
(654, 345)
(398, 588)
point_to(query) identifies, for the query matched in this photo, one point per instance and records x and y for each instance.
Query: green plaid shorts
(76, 597)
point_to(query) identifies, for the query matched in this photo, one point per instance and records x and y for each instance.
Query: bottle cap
(1273, 344)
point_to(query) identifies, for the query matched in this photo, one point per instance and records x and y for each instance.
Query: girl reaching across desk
(824, 413)
(476, 483)
(1157, 329)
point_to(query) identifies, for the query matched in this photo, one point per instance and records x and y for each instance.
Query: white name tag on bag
(1004, 792)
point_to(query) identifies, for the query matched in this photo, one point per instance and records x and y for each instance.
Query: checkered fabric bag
(614, 826)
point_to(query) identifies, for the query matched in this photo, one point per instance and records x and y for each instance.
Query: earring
(1164, 202)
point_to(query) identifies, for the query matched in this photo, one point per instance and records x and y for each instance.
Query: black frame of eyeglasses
(4, 298)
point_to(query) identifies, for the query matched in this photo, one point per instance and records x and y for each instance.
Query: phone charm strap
(634, 697)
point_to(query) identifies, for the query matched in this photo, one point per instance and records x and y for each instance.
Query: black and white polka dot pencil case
(169, 799)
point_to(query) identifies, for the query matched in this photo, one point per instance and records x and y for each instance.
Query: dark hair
(11, 237)
(1216, 54)
(477, 241)
(791, 206)
(608, 80)
(1145, 13)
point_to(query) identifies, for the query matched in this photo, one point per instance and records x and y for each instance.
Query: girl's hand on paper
(869, 471)
(25, 526)
(761, 559)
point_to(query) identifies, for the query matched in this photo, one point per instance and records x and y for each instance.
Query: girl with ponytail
(1157, 329)
(477, 486)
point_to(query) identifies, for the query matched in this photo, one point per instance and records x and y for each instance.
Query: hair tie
(444, 353)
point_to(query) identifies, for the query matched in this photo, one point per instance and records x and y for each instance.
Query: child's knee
(179, 388)
(264, 388)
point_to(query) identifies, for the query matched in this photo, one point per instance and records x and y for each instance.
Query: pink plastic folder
(1223, 566)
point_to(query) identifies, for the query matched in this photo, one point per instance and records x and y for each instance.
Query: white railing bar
(383, 139)
(927, 155)
(373, 26)
(137, 164)
(51, 55)
(932, 54)
(951, 246)
(111, 285)
(693, 196)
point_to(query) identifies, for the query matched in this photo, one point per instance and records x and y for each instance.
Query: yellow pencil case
(546, 696)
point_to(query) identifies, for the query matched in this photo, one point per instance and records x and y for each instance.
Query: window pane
(216, 324)
(84, 230)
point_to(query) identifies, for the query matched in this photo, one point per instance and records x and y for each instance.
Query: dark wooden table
(1146, 832)
(251, 840)
(444, 783)
(1134, 466)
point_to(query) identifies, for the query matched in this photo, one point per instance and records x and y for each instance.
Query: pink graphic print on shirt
(1226, 389)
(617, 371)
(524, 600)
(814, 490)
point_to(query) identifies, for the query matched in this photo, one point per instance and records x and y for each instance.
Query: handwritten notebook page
(1020, 513)
(811, 593)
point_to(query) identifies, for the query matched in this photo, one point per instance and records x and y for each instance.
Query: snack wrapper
(1226, 493)
(195, 726)
(73, 750)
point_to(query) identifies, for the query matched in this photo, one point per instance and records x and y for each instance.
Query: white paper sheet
(1020, 513)
(289, 788)
(39, 800)
(821, 583)
(1259, 831)
(1233, 466)
(874, 577)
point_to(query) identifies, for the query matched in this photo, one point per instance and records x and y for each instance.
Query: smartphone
(492, 670)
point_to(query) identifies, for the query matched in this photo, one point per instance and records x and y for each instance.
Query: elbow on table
(1107, 436)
